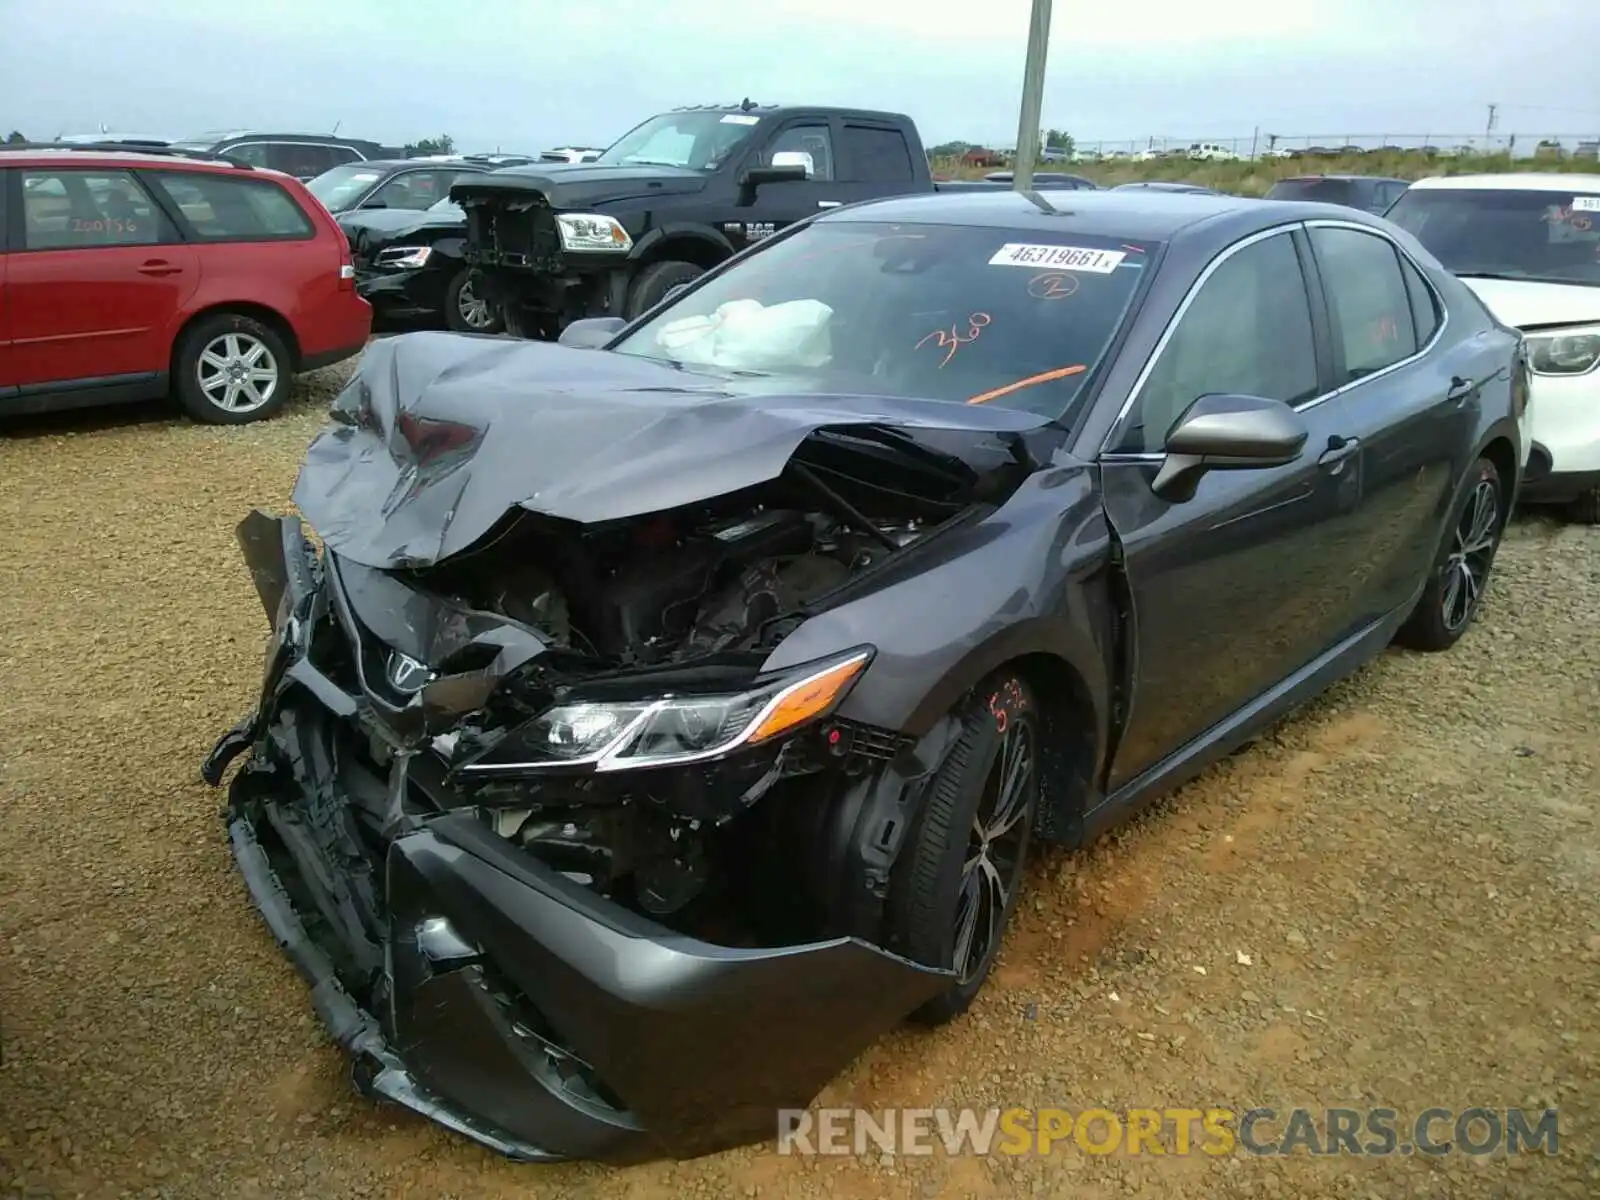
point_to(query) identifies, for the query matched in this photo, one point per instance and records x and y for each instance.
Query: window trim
(1318, 314)
(14, 231)
(192, 236)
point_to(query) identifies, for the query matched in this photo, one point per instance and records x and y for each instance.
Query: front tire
(651, 285)
(230, 369)
(465, 311)
(953, 890)
(1460, 572)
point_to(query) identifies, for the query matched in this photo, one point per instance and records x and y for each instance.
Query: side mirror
(756, 176)
(591, 333)
(795, 158)
(1228, 433)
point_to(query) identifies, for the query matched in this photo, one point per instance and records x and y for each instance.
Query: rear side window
(223, 208)
(1368, 298)
(69, 209)
(303, 160)
(1424, 307)
(876, 155)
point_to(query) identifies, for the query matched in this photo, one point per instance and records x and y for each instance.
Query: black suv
(303, 155)
(1371, 193)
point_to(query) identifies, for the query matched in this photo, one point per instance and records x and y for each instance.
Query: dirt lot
(1394, 900)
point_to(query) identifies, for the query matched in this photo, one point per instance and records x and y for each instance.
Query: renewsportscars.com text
(1261, 1132)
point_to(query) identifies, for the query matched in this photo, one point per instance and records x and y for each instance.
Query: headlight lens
(403, 257)
(592, 231)
(1573, 352)
(670, 730)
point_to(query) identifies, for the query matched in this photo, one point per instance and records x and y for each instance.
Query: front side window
(341, 187)
(702, 140)
(224, 208)
(68, 209)
(414, 190)
(1246, 332)
(1367, 300)
(813, 141)
(964, 314)
(1544, 236)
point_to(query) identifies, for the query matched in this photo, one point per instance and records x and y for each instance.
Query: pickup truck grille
(499, 235)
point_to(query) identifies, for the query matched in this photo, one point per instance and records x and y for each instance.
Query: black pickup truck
(675, 196)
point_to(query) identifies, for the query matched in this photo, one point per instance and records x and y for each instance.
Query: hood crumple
(439, 435)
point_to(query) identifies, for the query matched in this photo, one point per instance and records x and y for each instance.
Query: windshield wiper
(1490, 275)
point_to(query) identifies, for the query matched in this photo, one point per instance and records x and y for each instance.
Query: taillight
(347, 272)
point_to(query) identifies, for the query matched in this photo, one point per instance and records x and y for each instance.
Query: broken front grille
(515, 236)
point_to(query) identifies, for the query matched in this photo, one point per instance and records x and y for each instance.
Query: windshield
(700, 139)
(971, 315)
(341, 187)
(1324, 191)
(1550, 237)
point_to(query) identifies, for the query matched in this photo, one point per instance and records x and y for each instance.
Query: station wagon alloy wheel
(1467, 568)
(238, 373)
(993, 866)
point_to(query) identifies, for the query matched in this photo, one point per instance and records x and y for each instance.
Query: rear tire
(231, 369)
(1585, 510)
(651, 285)
(1461, 568)
(955, 886)
(467, 312)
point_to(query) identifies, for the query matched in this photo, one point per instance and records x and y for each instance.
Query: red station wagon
(132, 274)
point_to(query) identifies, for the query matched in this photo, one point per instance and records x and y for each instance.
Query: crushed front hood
(439, 435)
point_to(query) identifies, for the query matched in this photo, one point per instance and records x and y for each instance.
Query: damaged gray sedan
(661, 716)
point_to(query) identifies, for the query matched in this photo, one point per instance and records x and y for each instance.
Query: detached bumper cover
(483, 989)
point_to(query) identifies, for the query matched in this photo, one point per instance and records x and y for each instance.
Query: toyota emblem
(406, 674)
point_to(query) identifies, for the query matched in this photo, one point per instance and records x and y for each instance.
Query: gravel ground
(1390, 900)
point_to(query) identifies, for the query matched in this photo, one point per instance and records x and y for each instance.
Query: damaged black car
(652, 720)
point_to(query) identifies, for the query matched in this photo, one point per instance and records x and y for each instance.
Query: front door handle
(1339, 449)
(1461, 390)
(829, 203)
(159, 266)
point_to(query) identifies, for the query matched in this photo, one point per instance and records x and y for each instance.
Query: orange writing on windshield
(1042, 377)
(952, 339)
(1052, 285)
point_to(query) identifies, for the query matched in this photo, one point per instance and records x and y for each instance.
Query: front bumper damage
(478, 986)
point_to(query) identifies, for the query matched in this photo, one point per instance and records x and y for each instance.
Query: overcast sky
(529, 74)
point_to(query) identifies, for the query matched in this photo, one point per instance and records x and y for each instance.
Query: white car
(1529, 246)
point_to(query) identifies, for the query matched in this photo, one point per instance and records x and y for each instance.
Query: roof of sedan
(1144, 214)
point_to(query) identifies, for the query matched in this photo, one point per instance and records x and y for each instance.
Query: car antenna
(747, 105)
(335, 128)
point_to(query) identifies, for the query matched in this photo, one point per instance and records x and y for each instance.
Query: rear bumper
(478, 986)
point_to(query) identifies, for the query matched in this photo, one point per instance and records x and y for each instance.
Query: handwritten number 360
(952, 339)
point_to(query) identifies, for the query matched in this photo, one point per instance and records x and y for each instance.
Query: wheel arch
(266, 315)
(697, 244)
(1068, 677)
(1500, 448)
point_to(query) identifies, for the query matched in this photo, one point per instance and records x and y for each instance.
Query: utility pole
(1032, 97)
(1488, 128)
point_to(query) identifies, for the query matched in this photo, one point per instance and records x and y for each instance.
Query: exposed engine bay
(701, 592)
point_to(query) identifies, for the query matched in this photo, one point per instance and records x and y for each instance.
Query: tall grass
(1254, 178)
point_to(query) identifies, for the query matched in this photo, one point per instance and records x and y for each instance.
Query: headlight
(402, 257)
(671, 730)
(1570, 353)
(592, 231)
